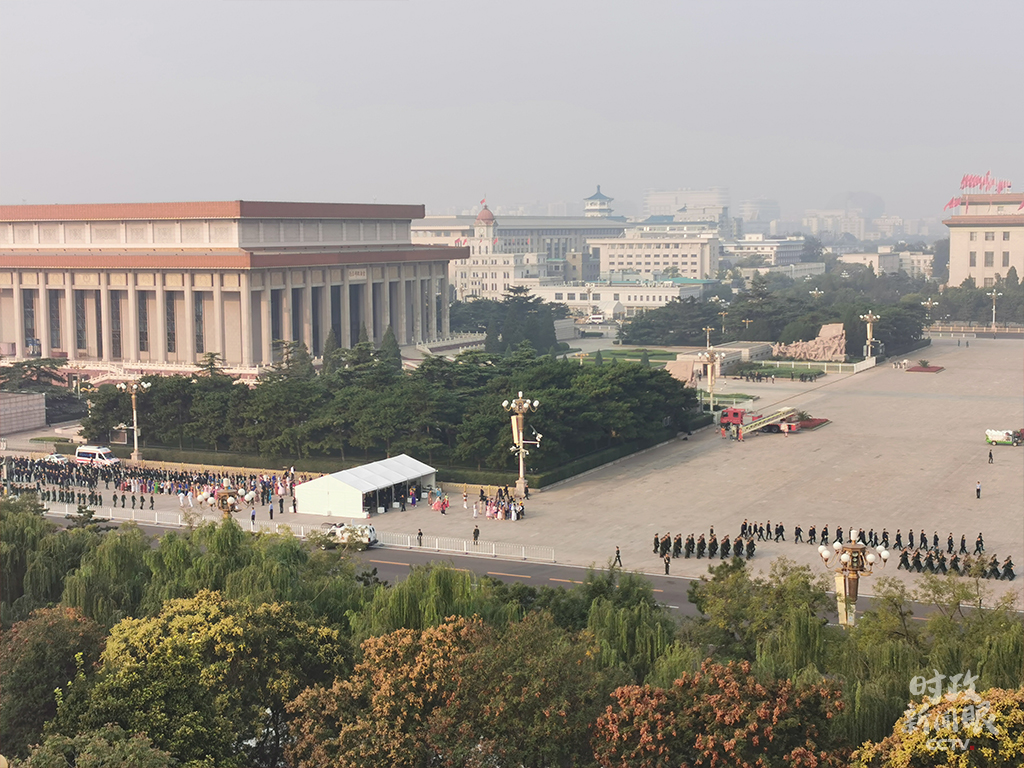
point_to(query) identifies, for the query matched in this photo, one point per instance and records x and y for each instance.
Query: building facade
(620, 299)
(986, 238)
(773, 251)
(691, 250)
(158, 285)
(542, 246)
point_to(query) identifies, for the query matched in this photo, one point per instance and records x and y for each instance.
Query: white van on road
(95, 454)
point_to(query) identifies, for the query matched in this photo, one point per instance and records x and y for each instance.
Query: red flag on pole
(1021, 206)
(953, 203)
(484, 201)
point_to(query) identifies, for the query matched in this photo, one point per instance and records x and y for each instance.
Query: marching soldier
(726, 548)
(812, 535)
(688, 549)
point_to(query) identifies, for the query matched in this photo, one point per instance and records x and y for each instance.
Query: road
(394, 563)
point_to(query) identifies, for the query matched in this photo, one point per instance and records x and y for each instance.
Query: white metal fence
(467, 546)
(496, 549)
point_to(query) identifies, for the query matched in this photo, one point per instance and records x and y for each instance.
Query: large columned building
(157, 285)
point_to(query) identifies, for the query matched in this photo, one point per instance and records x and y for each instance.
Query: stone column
(325, 310)
(385, 301)
(346, 311)
(70, 338)
(446, 329)
(43, 316)
(245, 319)
(218, 320)
(417, 309)
(307, 309)
(19, 318)
(106, 334)
(130, 330)
(189, 347)
(286, 307)
(402, 331)
(266, 330)
(158, 346)
(432, 306)
(368, 305)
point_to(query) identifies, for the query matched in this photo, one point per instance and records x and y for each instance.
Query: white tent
(352, 492)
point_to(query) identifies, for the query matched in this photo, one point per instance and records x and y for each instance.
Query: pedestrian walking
(977, 489)
(476, 534)
(618, 558)
(990, 456)
(252, 520)
(668, 562)
(979, 545)
(271, 511)
(657, 543)
(419, 536)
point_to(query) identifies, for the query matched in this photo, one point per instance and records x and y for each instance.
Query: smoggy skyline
(445, 102)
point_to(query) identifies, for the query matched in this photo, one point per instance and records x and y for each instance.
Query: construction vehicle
(1004, 436)
(747, 422)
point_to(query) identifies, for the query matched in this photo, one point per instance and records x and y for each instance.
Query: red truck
(784, 420)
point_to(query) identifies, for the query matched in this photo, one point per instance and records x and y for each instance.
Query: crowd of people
(501, 506)
(73, 483)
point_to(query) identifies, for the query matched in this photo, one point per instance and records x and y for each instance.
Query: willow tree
(110, 584)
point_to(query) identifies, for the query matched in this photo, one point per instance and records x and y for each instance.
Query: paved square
(904, 450)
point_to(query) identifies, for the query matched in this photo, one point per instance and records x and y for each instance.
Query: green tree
(364, 336)
(330, 354)
(107, 747)
(40, 374)
(207, 679)
(645, 359)
(598, 359)
(110, 583)
(390, 353)
(37, 656)
(491, 341)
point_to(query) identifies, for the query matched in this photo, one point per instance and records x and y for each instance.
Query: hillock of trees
(781, 310)
(362, 404)
(219, 647)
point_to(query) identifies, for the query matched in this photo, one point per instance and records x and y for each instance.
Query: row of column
(423, 297)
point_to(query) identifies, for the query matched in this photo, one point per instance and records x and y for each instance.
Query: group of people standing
(666, 547)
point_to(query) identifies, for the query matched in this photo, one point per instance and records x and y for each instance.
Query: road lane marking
(515, 575)
(388, 562)
(567, 581)
(657, 590)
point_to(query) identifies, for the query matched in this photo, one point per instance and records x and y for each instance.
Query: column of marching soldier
(933, 559)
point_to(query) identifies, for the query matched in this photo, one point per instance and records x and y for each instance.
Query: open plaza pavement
(902, 450)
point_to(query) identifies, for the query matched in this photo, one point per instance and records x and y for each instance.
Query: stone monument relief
(829, 346)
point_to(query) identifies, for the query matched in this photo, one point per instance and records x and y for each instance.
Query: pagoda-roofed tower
(598, 205)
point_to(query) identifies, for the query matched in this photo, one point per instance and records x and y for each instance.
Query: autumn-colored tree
(207, 679)
(721, 717)
(529, 696)
(963, 730)
(37, 656)
(378, 716)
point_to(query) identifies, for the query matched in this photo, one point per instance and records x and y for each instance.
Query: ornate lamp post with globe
(850, 561)
(135, 387)
(519, 408)
(870, 318)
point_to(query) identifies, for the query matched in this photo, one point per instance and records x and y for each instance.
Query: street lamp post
(722, 314)
(995, 295)
(929, 305)
(710, 357)
(135, 387)
(519, 408)
(850, 561)
(707, 330)
(817, 293)
(870, 318)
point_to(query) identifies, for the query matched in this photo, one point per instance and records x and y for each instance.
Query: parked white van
(95, 454)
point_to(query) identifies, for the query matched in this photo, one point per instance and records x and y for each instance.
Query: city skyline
(444, 103)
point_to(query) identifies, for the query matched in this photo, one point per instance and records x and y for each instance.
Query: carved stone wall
(829, 346)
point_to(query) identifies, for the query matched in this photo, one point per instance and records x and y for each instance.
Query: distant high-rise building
(667, 202)
(760, 209)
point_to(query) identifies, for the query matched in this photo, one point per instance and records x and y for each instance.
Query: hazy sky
(443, 102)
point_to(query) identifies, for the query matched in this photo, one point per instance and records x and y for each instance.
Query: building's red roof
(218, 258)
(1006, 198)
(230, 209)
(485, 216)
